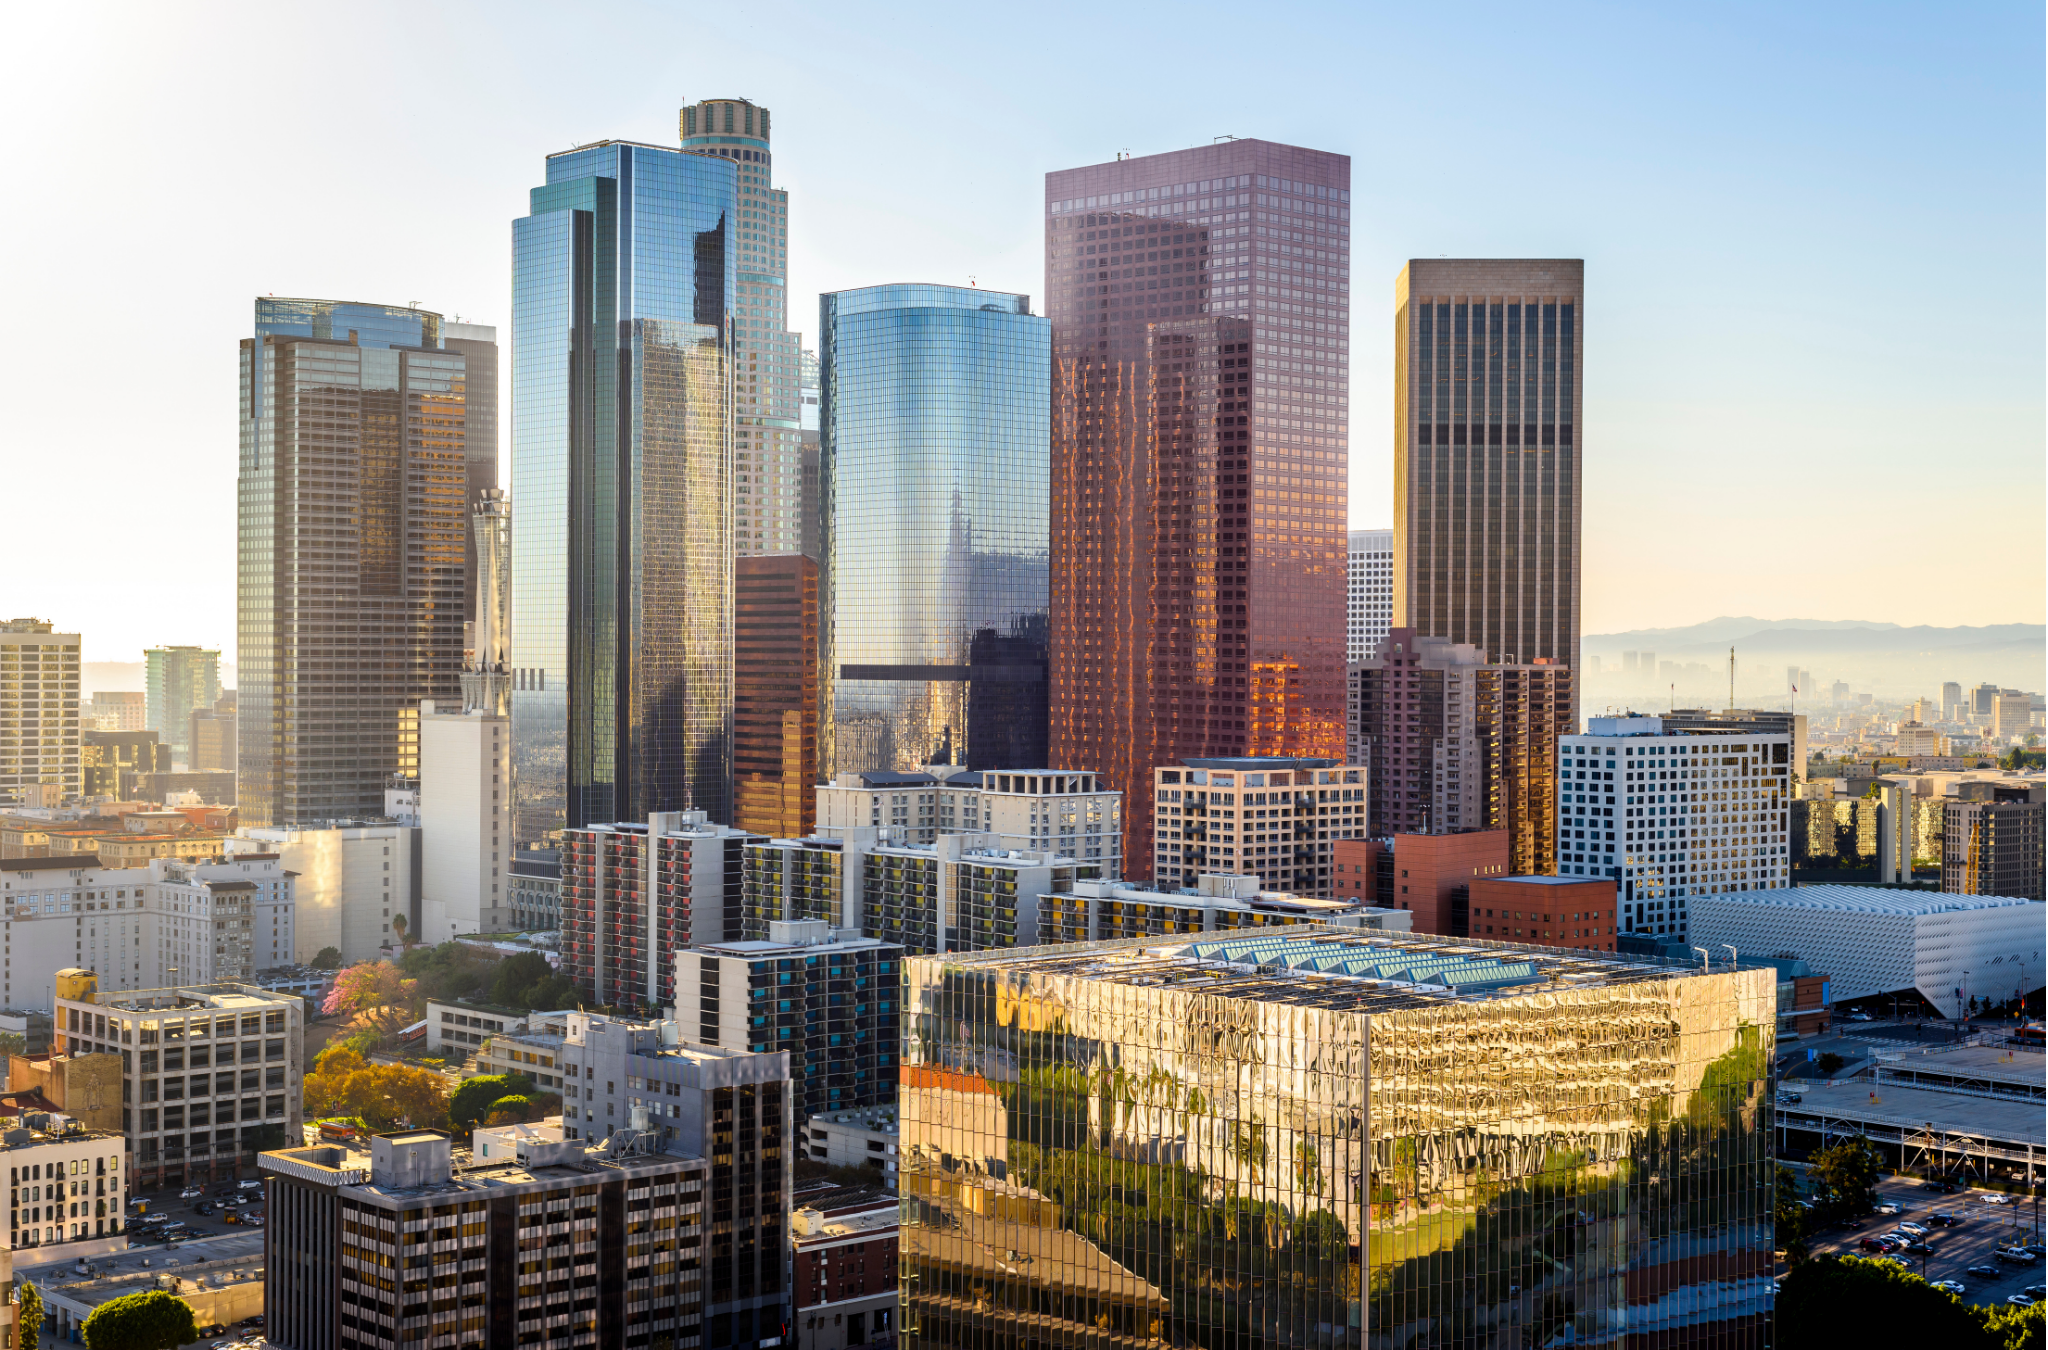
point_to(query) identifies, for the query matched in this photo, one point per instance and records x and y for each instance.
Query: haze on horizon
(1814, 351)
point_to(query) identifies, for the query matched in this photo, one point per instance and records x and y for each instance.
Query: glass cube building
(936, 427)
(1316, 1136)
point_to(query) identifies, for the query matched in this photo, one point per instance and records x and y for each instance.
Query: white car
(190, 1193)
(1994, 1198)
(1917, 1230)
(1952, 1286)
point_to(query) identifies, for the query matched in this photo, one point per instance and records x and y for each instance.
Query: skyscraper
(478, 343)
(39, 761)
(1487, 385)
(775, 695)
(767, 451)
(1200, 303)
(933, 416)
(622, 388)
(350, 543)
(177, 682)
(1369, 607)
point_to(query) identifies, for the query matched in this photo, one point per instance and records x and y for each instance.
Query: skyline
(1694, 189)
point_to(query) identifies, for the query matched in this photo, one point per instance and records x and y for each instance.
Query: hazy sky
(1813, 241)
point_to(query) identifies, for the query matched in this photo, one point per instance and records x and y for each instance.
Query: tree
(515, 1110)
(376, 995)
(1845, 1178)
(383, 1096)
(1846, 1300)
(398, 926)
(474, 1099)
(329, 958)
(1829, 1063)
(516, 976)
(151, 1320)
(1790, 1216)
(28, 1316)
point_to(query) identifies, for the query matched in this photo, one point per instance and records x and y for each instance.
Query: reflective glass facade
(351, 531)
(1200, 304)
(621, 470)
(933, 410)
(1324, 1137)
(1488, 375)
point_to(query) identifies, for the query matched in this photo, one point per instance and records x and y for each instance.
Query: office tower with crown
(1199, 302)
(625, 352)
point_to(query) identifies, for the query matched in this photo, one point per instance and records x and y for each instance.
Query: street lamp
(1703, 959)
(1731, 955)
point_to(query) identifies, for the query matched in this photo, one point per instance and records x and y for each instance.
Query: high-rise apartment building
(350, 553)
(177, 682)
(767, 449)
(1272, 817)
(1992, 841)
(1983, 699)
(122, 711)
(1356, 1083)
(1200, 304)
(934, 413)
(1951, 701)
(1488, 384)
(39, 760)
(1672, 813)
(634, 894)
(1369, 596)
(829, 1001)
(1457, 742)
(2012, 715)
(624, 375)
(775, 694)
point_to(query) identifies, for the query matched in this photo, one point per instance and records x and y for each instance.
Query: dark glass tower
(1488, 380)
(621, 472)
(350, 578)
(934, 451)
(1200, 305)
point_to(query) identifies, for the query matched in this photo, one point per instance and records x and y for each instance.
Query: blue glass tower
(621, 489)
(936, 455)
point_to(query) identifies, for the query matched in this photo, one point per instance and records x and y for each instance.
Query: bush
(151, 1320)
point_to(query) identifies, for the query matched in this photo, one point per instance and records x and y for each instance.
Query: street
(1984, 1229)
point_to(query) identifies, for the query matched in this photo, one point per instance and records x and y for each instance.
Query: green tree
(509, 1111)
(1829, 1063)
(28, 1316)
(517, 977)
(1846, 1300)
(1844, 1178)
(329, 958)
(1791, 1217)
(151, 1320)
(474, 1099)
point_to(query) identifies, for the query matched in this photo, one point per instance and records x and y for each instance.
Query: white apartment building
(1369, 592)
(39, 762)
(1673, 815)
(64, 1183)
(465, 816)
(140, 928)
(1273, 817)
(354, 879)
(1037, 810)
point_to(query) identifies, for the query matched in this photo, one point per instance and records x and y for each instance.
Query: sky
(1813, 240)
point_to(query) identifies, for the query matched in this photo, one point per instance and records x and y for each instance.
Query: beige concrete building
(85, 1087)
(39, 761)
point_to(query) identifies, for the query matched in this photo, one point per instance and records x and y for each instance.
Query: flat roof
(1533, 880)
(2006, 1120)
(1864, 900)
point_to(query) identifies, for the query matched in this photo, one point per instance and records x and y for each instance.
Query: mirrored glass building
(1318, 1136)
(935, 425)
(621, 473)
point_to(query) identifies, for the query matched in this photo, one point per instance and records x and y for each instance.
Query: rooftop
(1314, 965)
(1534, 880)
(1864, 900)
(190, 996)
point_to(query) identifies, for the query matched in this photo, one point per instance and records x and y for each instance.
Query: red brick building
(1544, 911)
(1425, 873)
(843, 1249)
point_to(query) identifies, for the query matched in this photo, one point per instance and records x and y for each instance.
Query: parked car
(2037, 1290)
(2020, 1300)
(1861, 1017)
(1790, 1098)
(203, 1207)
(1984, 1272)
(1919, 1248)
(1888, 1207)
(1952, 1286)
(1994, 1198)
(249, 1184)
(1917, 1230)
(1941, 1218)
(1871, 1244)
(2018, 1256)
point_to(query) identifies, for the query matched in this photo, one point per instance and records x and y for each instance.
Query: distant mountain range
(1878, 658)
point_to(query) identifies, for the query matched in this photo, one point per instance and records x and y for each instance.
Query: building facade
(1673, 815)
(623, 386)
(1034, 810)
(1268, 816)
(827, 1000)
(1457, 742)
(1992, 843)
(1369, 592)
(179, 681)
(1099, 911)
(1428, 875)
(214, 738)
(1200, 310)
(65, 1182)
(630, 1223)
(1490, 353)
(350, 530)
(39, 761)
(775, 694)
(1767, 721)
(933, 423)
(634, 894)
(112, 711)
(1544, 911)
(843, 1267)
(357, 883)
(1332, 1090)
(478, 345)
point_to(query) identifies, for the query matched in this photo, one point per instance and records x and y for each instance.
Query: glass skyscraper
(1333, 1138)
(622, 392)
(933, 412)
(1200, 304)
(350, 574)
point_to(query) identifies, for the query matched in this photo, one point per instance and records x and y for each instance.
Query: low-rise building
(862, 1137)
(398, 1244)
(1277, 817)
(65, 1183)
(1427, 874)
(459, 1026)
(1096, 911)
(1543, 911)
(220, 1292)
(843, 1264)
(535, 891)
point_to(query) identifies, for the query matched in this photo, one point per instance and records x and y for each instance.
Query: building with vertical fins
(767, 455)
(350, 536)
(1488, 388)
(623, 383)
(1200, 310)
(933, 415)
(1369, 595)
